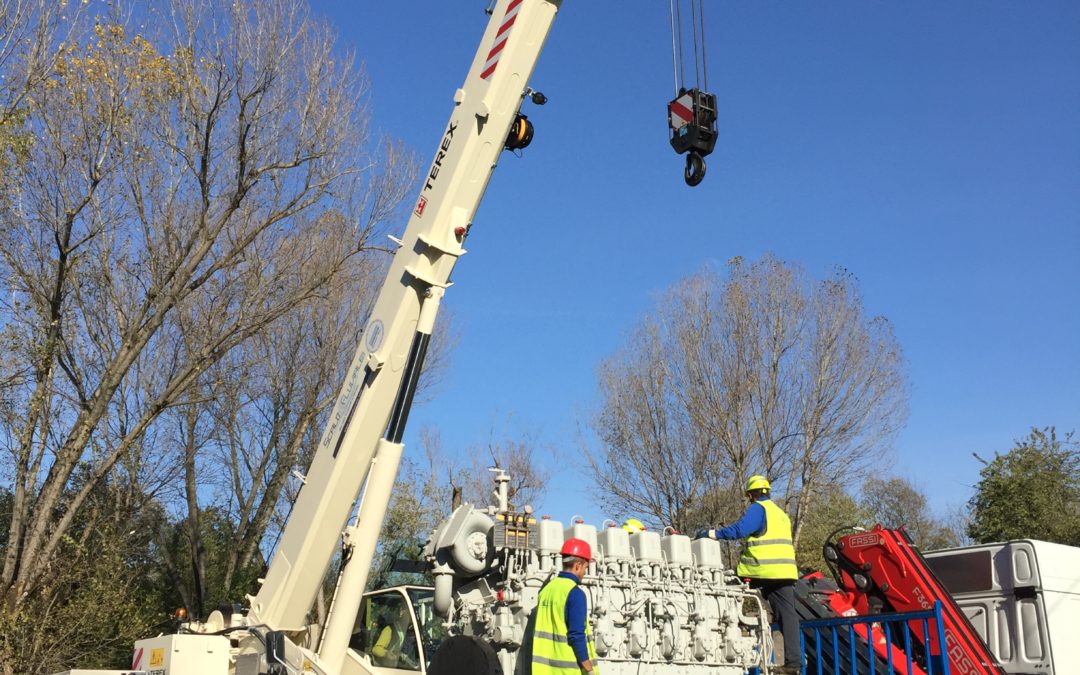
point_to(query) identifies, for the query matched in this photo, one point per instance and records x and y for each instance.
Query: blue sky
(932, 148)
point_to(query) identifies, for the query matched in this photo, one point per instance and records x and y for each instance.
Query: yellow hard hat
(758, 483)
(633, 525)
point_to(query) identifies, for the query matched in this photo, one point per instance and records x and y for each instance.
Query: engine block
(657, 604)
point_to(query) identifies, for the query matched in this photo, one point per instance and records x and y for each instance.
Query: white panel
(707, 554)
(183, 654)
(551, 535)
(1031, 636)
(615, 543)
(1023, 566)
(1001, 641)
(646, 546)
(676, 548)
(582, 531)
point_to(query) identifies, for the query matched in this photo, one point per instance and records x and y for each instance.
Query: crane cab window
(432, 630)
(384, 631)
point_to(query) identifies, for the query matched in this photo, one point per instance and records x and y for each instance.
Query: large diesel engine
(658, 604)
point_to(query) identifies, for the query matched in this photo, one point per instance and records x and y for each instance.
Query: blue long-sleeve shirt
(752, 523)
(576, 609)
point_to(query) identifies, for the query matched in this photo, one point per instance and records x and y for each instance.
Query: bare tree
(29, 31)
(515, 453)
(252, 419)
(761, 372)
(187, 189)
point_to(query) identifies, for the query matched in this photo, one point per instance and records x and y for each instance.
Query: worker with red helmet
(562, 640)
(768, 561)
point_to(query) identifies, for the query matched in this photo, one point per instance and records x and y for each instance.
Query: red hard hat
(579, 548)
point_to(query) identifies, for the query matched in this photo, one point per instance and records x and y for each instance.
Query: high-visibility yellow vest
(551, 653)
(387, 649)
(770, 555)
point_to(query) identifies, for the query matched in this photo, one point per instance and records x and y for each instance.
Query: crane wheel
(465, 654)
(695, 169)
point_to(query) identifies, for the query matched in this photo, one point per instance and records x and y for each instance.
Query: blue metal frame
(906, 619)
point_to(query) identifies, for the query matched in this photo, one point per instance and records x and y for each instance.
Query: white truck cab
(1023, 598)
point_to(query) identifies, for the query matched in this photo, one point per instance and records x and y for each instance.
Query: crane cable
(697, 41)
(676, 41)
(701, 31)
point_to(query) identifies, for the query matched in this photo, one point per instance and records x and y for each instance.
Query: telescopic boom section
(373, 402)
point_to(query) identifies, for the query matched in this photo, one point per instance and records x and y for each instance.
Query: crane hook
(695, 168)
(692, 130)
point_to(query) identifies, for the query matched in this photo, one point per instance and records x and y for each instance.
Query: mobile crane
(361, 447)
(361, 444)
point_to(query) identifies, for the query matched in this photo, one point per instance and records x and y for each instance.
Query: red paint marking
(509, 17)
(135, 661)
(496, 49)
(506, 26)
(681, 111)
(421, 204)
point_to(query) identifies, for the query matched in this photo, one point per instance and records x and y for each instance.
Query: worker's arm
(576, 608)
(751, 523)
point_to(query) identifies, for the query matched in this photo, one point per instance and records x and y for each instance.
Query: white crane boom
(374, 400)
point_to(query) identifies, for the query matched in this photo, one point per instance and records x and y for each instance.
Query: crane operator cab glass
(397, 629)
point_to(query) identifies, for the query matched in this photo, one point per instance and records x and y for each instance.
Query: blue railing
(859, 655)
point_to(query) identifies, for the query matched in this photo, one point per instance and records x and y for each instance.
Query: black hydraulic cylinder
(403, 403)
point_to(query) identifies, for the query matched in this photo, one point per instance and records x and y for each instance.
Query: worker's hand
(704, 534)
(586, 666)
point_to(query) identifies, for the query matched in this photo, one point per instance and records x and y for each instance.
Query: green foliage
(892, 502)
(828, 512)
(103, 592)
(15, 139)
(419, 502)
(1030, 492)
(895, 502)
(217, 539)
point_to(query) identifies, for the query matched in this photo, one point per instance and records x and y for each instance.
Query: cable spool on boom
(692, 113)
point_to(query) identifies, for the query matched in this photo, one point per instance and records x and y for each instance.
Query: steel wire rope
(704, 59)
(694, 38)
(678, 59)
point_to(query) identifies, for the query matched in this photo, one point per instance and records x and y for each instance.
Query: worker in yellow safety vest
(387, 650)
(562, 640)
(768, 561)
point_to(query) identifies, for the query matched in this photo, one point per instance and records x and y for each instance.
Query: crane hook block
(692, 123)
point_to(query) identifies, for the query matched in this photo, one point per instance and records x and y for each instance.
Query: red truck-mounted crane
(881, 571)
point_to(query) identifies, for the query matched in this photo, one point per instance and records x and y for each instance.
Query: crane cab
(396, 632)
